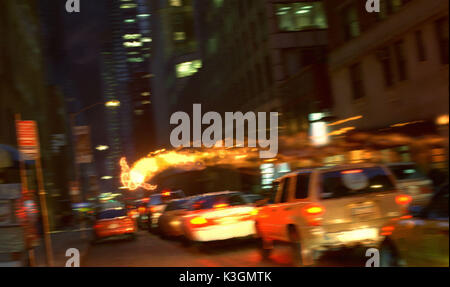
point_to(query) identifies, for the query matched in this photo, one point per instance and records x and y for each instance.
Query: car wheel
(300, 256)
(389, 255)
(265, 247)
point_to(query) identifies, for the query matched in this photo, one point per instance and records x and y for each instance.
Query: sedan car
(156, 205)
(112, 223)
(420, 239)
(219, 216)
(170, 221)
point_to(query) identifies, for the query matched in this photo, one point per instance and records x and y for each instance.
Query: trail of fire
(146, 168)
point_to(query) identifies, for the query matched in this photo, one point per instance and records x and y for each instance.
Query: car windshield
(111, 213)
(408, 171)
(219, 200)
(352, 182)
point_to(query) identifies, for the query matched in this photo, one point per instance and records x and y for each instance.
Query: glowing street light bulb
(106, 177)
(113, 103)
(442, 120)
(102, 147)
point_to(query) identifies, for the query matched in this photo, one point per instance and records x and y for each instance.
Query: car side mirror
(415, 210)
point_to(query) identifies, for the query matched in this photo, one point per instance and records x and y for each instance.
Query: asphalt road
(148, 250)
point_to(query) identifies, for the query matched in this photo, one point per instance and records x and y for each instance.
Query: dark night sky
(73, 44)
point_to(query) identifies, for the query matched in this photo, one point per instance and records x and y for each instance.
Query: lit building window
(128, 6)
(131, 36)
(179, 36)
(301, 16)
(175, 3)
(135, 60)
(187, 69)
(132, 44)
(351, 22)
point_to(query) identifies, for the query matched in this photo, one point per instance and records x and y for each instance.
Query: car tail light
(387, 230)
(220, 205)
(166, 193)
(403, 199)
(352, 171)
(313, 209)
(254, 212)
(199, 221)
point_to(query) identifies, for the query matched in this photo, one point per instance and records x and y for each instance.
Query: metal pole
(43, 201)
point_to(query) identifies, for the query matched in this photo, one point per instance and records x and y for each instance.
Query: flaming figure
(146, 168)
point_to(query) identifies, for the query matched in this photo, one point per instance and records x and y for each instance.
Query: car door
(280, 210)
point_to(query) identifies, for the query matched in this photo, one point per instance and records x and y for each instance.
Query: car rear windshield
(404, 172)
(165, 197)
(351, 182)
(176, 205)
(217, 201)
(112, 213)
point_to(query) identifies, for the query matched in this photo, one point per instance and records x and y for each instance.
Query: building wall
(24, 89)
(423, 95)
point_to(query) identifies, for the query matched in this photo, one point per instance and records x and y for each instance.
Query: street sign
(27, 138)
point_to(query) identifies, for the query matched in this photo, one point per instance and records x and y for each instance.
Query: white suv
(325, 208)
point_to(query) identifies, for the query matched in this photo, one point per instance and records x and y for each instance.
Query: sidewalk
(61, 241)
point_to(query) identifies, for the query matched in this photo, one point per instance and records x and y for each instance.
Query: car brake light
(198, 220)
(166, 193)
(403, 199)
(352, 171)
(387, 230)
(220, 205)
(313, 209)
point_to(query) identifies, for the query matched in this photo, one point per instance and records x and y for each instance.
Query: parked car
(420, 239)
(219, 216)
(319, 209)
(156, 205)
(113, 223)
(412, 182)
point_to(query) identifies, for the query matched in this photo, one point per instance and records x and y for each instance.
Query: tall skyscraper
(126, 78)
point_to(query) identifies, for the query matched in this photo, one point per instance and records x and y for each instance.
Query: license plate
(366, 210)
(227, 220)
(113, 226)
(358, 234)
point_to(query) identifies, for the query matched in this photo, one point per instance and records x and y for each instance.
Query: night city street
(151, 251)
(224, 133)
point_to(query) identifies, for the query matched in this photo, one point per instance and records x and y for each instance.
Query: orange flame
(146, 168)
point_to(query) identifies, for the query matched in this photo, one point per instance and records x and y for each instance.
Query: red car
(114, 223)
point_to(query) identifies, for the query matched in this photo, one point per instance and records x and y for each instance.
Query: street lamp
(112, 104)
(101, 147)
